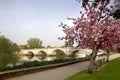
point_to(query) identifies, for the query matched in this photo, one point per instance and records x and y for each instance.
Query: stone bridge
(54, 51)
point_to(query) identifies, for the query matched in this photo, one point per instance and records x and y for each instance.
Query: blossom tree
(94, 30)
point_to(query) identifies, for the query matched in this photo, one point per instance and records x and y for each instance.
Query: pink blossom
(95, 29)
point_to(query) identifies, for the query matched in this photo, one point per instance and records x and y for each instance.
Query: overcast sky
(24, 19)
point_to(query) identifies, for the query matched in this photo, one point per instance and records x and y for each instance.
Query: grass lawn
(110, 72)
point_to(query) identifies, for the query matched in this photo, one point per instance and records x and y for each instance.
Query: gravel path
(58, 73)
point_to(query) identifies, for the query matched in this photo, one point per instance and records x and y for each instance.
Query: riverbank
(14, 73)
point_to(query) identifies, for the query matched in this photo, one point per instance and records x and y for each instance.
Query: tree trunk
(108, 54)
(92, 61)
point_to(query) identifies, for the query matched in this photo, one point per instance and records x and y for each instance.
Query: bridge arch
(30, 53)
(59, 52)
(74, 53)
(41, 53)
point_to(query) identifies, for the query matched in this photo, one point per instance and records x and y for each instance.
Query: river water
(38, 58)
(19, 59)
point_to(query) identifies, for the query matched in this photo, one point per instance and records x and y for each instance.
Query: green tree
(7, 50)
(23, 46)
(116, 14)
(7, 46)
(34, 43)
(94, 2)
(116, 7)
(49, 46)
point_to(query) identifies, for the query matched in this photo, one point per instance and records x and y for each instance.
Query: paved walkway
(58, 73)
(113, 56)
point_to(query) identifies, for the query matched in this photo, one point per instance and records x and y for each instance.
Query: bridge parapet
(51, 51)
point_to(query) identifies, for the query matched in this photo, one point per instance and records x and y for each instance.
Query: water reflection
(21, 59)
(41, 57)
(38, 58)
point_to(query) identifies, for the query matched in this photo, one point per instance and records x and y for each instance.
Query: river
(19, 59)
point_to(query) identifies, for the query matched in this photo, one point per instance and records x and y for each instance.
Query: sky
(21, 20)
